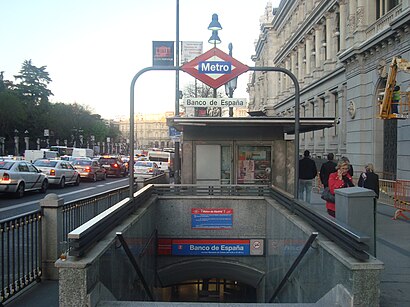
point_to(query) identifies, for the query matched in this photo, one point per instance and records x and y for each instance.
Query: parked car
(90, 169)
(113, 165)
(146, 169)
(21, 176)
(58, 172)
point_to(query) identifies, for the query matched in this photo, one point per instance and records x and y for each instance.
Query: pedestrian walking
(307, 172)
(326, 169)
(340, 179)
(369, 179)
(345, 159)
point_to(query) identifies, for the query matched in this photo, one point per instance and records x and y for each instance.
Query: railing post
(52, 232)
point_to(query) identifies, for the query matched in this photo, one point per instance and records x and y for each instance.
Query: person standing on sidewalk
(307, 173)
(346, 159)
(369, 179)
(326, 169)
(338, 180)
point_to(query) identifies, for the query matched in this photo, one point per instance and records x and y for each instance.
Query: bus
(62, 150)
(165, 160)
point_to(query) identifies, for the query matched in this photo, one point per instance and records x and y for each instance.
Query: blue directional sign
(214, 67)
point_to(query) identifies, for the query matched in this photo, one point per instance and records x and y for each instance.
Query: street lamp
(214, 26)
(16, 142)
(27, 139)
(2, 140)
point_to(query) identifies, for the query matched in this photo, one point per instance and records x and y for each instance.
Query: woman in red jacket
(340, 179)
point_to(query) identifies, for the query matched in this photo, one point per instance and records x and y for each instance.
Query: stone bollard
(356, 208)
(52, 233)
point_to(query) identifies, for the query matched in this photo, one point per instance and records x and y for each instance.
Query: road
(10, 206)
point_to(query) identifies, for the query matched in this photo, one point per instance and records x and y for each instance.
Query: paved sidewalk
(392, 247)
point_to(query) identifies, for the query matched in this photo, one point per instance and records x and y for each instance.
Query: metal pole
(295, 264)
(297, 119)
(132, 93)
(177, 164)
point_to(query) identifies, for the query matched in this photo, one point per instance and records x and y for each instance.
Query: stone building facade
(151, 130)
(340, 51)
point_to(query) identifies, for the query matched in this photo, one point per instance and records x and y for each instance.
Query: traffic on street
(11, 207)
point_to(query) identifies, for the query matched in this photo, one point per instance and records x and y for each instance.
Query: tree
(33, 83)
(202, 91)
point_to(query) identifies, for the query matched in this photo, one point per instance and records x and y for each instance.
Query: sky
(93, 48)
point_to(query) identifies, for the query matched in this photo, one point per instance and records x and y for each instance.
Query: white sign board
(190, 50)
(215, 102)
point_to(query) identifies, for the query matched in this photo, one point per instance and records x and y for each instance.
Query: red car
(113, 166)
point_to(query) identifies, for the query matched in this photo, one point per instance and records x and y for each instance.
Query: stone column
(329, 35)
(342, 24)
(351, 23)
(293, 62)
(308, 54)
(287, 79)
(318, 47)
(52, 234)
(301, 63)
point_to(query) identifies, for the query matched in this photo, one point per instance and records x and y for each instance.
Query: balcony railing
(383, 22)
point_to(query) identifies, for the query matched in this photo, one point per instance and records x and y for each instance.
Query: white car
(58, 172)
(146, 169)
(21, 176)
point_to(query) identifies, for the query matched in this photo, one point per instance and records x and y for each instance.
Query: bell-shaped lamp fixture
(214, 39)
(215, 25)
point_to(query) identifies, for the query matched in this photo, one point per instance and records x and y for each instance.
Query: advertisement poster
(254, 165)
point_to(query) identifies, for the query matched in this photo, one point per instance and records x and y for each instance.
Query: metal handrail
(302, 253)
(135, 265)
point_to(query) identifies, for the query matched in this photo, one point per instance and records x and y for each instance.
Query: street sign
(214, 68)
(215, 102)
(163, 53)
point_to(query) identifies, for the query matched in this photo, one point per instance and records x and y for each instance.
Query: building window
(383, 6)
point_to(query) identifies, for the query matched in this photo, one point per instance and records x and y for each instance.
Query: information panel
(211, 218)
(210, 247)
(202, 247)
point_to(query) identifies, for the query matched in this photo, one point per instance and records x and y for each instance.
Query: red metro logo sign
(214, 68)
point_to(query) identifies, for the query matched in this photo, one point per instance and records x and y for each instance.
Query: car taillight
(88, 169)
(52, 172)
(6, 177)
(115, 165)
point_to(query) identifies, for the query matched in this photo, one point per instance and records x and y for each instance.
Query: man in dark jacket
(326, 169)
(307, 172)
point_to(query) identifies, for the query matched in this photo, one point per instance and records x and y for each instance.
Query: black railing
(20, 248)
(84, 237)
(212, 190)
(77, 212)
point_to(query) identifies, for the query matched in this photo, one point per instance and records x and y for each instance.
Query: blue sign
(215, 67)
(211, 218)
(174, 132)
(204, 247)
(163, 53)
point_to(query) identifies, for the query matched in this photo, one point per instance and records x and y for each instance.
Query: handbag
(326, 195)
